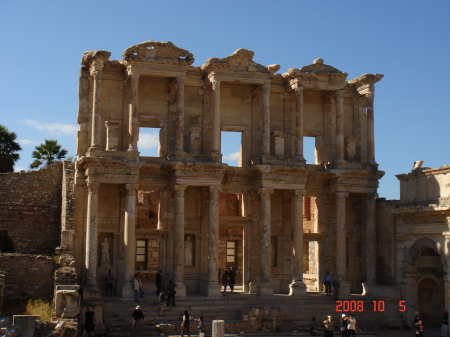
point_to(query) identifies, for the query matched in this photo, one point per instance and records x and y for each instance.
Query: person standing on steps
(418, 324)
(336, 289)
(344, 324)
(138, 291)
(138, 316)
(327, 279)
(171, 289)
(89, 322)
(328, 325)
(225, 280)
(201, 327)
(158, 282)
(185, 325)
(109, 280)
(313, 327)
(232, 275)
(351, 327)
(162, 301)
(444, 327)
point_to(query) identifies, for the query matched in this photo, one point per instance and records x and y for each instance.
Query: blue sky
(408, 41)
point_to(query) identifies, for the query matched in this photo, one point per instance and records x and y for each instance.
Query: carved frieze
(159, 52)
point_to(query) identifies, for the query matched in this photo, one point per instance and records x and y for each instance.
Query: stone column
(265, 287)
(91, 236)
(370, 128)
(215, 146)
(297, 287)
(371, 240)
(133, 126)
(447, 278)
(97, 74)
(299, 123)
(266, 118)
(129, 238)
(341, 243)
(339, 125)
(178, 240)
(180, 114)
(214, 287)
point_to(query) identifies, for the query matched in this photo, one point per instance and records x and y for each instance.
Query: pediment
(318, 70)
(240, 60)
(160, 52)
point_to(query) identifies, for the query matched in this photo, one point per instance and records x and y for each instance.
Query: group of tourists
(347, 326)
(227, 279)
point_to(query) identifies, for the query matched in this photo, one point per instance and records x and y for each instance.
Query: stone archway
(430, 297)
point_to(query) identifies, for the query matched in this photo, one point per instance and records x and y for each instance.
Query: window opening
(309, 150)
(231, 254)
(231, 147)
(149, 142)
(141, 254)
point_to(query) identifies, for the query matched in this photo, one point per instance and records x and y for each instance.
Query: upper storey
(154, 85)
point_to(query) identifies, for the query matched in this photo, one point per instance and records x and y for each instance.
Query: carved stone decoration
(105, 252)
(351, 148)
(161, 52)
(189, 250)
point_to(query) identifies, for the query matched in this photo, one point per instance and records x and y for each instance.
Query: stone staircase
(235, 310)
(6, 329)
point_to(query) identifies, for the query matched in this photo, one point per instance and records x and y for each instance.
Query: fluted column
(339, 125)
(133, 126)
(215, 146)
(341, 243)
(91, 236)
(129, 238)
(180, 113)
(97, 74)
(266, 118)
(214, 287)
(371, 239)
(299, 123)
(370, 128)
(297, 287)
(265, 287)
(447, 271)
(178, 240)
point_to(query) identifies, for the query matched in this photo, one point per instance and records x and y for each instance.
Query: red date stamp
(355, 306)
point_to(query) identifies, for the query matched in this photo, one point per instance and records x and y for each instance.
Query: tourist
(185, 325)
(418, 324)
(138, 316)
(201, 327)
(351, 327)
(328, 325)
(162, 301)
(336, 289)
(327, 279)
(109, 280)
(343, 327)
(158, 282)
(232, 275)
(172, 291)
(444, 327)
(313, 327)
(89, 322)
(138, 290)
(225, 280)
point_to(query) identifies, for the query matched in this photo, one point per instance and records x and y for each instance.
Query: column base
(344, 288)
(128, 289)
(297, 288)
(180, 289)
(265, 289)
(213, 289)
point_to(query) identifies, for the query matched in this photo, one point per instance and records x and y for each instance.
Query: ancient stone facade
(186, 213)
(421, 241)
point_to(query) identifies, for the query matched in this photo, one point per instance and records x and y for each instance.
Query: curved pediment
(240, 60)
(165, 52)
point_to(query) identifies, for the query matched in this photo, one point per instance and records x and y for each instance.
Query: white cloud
(19, 168)
(53, 129)
(148, 140)
(27, 142)
(231, 157)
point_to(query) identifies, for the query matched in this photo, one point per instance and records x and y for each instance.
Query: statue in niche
(351, 148)
(105, 254)
(188, 252)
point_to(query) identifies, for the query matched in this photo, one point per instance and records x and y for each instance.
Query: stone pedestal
(128, 289)
(297, 289)
(218, 328)
(265, 289)
(181, 289)
(344, 288)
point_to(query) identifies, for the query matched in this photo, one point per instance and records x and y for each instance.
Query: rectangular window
(149, 142)
(231, 148)
(309, 149)
(141, 254)
(231, 254)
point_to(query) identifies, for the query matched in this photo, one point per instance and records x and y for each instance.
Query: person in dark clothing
(313, 327)
(162, 302)
(171, 290)
(232, 275)
(327, 279)
(185, 325)
(158, 282)
(418, 324)
(89, 323)
(225, 280)
(444, 327)
(109, 281)
(343, 326)
(138, 315)
(336, 289)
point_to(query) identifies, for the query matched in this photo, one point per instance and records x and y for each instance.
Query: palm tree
(8, 147)
(46, 153)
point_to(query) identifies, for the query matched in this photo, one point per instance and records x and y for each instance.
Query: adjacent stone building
(276, 218)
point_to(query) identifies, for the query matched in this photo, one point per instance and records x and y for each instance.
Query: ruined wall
(28, 274)
(30, 209)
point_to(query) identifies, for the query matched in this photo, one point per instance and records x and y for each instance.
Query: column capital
(181, 79)
(265, 192)
(371, 197)
(179, 189)
(370, 95)
(339, 93)
(131, 188)
(215, 85)
(132, 75)
(92, 186)
(266, 88)
(214, 191)
(341, 195)
(298, 194)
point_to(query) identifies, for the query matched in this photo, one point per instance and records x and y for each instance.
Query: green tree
(46, 153)
(8, 149)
